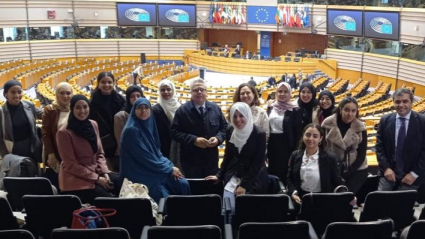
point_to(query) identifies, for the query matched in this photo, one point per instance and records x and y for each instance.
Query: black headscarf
(9, 85)
(130, 90)
(327, 112)
(84, 128)
(308, 107)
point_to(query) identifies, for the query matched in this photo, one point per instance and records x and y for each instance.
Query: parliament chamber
(44, 43)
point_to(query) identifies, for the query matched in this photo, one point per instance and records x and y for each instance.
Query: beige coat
(351, 140)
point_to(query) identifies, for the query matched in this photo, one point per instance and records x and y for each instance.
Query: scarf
(170, 106)
(56, 103)
(240, 136)
(284, 106)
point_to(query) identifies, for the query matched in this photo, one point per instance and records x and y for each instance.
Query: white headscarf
(170, 106)
(240, 136)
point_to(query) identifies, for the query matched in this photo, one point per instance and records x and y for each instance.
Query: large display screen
(177, 15)
(136, 14)
(382, 25)
(345, 22)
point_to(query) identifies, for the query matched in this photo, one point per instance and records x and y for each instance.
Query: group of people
(310, 144)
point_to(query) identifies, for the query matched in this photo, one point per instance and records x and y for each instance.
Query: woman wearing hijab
(285, 130)
(132, 93)
(54, 117)
(248, 94)
(19, 131)
(308, 103)
(104, 104)
(164, 114)
(327, 105)
(141, 159)
(83, 169)
(243, 169)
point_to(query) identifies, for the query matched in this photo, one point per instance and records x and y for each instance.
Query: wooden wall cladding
(295, 41)
(222, 36)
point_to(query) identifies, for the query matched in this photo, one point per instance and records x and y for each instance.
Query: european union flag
(183, 18)
(261, 15)
(350, 26)
(387, 29)
(144, 17)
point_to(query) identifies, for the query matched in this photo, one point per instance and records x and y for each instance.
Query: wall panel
(37, 13)
(295, 41)
(14, 50)
(231, 37)
(52, 49)
(319, 19)
(13, 13)
(349, 60)
(85, 13)
(380, 65)
(97, 48)
(412, 27)
(412, 71)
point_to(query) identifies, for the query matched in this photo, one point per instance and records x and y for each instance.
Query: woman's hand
(296, 198)
(107, 177)
(177, 174)
(102, 181)
(269, 103)
(52, 161)
(240, 191)
(212, 178)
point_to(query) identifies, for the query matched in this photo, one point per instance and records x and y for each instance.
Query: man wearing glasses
(199, 126)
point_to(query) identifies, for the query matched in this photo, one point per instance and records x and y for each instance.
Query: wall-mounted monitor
(382, 25)
(177, 15)
(136, 14)
(345, 22)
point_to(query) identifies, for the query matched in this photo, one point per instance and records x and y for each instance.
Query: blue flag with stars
(261, 15)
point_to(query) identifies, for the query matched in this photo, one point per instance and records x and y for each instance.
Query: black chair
(275, 186)
(297, 59)
(277, 230)
(45, 213)
(261, 208)
(184, 232)
(396, 205)
(360, 230)
(17, 187)
(371, 185)
(321, 209)
(288, 59)
(100, 233)
(132, 213)
(193, 210)
(8, 220)
(414, 231)
(200, 186)
(16, 234)
(422, 216)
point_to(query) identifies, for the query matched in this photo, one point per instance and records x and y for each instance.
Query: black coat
(188, 125)
(248, 165)
(413, 149)
(104, 116)
(330, 176)
(163, 125)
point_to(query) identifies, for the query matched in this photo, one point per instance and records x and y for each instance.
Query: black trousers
(356, 180)
(88, 195)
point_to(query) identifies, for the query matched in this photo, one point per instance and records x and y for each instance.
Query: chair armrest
(145, 232)
(228, 233)
(290, 205)
(311, 233)
(282, 188)
(161, 206)
(227, 209)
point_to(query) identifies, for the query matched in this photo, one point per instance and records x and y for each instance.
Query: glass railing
(381, 47)
(413, 52)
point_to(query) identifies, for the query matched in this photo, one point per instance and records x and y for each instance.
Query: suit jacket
(330, 176)
(32, 114)
(413, 149)
(188, 125)
(80, 167)
(249, 164)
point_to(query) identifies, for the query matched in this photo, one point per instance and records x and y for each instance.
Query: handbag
(137, 190)
(91, 218)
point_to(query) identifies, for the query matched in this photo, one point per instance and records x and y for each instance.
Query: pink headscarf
(283, 106)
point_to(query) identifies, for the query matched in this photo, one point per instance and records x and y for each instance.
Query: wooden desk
(249, 67)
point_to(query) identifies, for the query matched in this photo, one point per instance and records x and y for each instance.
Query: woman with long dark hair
(327, 105)
(308, 103)
(104, 104)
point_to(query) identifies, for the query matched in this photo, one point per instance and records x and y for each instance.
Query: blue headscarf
(141, 160)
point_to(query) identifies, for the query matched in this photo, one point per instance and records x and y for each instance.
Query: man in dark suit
(400, 146)
(200, 127)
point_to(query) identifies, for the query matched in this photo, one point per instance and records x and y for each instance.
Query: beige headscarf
(56, 103)
(170, 106)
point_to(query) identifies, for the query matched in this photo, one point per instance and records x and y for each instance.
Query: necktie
(201, 111)
(400, 143)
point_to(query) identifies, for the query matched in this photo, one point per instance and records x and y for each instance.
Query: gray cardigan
(6, 133)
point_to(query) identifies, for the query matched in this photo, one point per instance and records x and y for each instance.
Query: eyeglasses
(202, 90)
